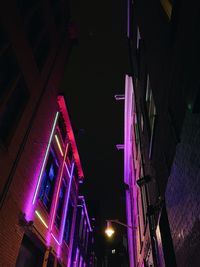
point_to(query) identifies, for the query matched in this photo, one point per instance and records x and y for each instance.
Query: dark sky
(94, 74)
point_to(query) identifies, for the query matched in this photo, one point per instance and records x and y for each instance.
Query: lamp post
(109, 229)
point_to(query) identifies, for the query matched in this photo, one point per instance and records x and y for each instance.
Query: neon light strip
(67, 169)
(85, 211)
(66, 205)
(59, 146)
(41, 219)
(55, 239)
(58, 189)
(76, 259)
(45, 158)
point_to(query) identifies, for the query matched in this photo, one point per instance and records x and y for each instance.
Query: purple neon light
(128, 159)
(76, 259)
(85, 211)
(66, 205)
(45, 158)
(58, 188)
(67, 169)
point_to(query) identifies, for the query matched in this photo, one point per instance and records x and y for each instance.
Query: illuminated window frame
(45, 159)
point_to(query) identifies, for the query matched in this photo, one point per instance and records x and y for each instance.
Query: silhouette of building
(40, 164)
(161, 142)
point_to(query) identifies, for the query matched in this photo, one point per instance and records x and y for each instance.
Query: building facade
(161, 134)
(40, 164)
(83, 249)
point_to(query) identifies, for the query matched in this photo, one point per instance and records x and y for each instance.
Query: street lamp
(109, 229)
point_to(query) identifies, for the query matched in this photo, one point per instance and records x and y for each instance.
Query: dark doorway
(30, 254)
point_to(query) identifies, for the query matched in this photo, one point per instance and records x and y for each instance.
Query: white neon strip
(66, 204)
(55, 239)
(58, 189)
(45, 158)
(59, 146)
(41, 219)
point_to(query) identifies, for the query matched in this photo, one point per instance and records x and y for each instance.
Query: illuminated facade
(40, 164)
(82, 254)
(161, 136)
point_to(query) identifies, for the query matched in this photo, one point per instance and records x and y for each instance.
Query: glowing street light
(109, 229)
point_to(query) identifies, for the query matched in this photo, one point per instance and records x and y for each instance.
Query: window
(30, 253)
(62, 127)
(48, 181)
(57, 10)
(26, 6)
(11, 110)
(9, 70)
(151, 113)
(68, 223)
(35, 28)
(81, 225)
(42, 51)
(60, 203)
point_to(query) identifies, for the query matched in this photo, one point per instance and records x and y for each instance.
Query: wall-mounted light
(143, 180)
(110, 230)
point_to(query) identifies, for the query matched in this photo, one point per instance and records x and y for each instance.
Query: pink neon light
(45, 158)
(63, 109)
(66, 205)
(58, 189)
(59, 145)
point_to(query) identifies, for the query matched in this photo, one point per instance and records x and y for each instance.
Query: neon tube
(76, 259)
(59, 146)
(45, 158)
(85, 211)
(66, 205)
(41, 219)
(67, 169)
(55, 239)
(58, 189)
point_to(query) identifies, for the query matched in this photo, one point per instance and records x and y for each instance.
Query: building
(83, 249)
(161, 134)
(40, 164)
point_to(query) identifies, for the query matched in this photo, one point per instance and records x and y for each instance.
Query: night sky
(94, 74)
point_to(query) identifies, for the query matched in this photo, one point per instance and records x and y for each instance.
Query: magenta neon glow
(85, 211)
(59, 145)
(41, 219)
(76, 259)
(56, 240)
(63, 109)
(66, 206)
(45, 158)
(58, 188)
(131, 205)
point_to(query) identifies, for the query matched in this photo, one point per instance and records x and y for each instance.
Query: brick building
(40, 164)
(161, 143)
